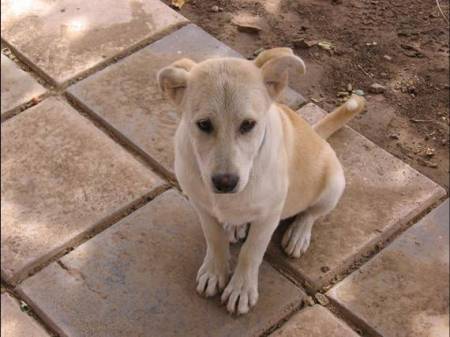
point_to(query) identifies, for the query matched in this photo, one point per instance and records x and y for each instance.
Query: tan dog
(242, 158)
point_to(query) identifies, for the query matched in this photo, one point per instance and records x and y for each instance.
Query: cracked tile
(138, 276)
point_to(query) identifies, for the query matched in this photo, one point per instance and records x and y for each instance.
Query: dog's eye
(247, 126)
(205, 125)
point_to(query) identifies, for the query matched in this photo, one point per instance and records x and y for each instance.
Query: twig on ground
(421, 120)
(440, 10)
(365, 72)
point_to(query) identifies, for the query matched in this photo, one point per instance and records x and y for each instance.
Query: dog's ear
(173, 79)
(275, 65)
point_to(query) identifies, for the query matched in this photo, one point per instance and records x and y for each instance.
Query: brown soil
(402, 45)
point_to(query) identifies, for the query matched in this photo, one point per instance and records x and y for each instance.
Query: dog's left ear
(173, 79)
(275, 65)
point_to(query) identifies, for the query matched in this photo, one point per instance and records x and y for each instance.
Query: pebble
(349, 87)
(429, 152)
(387, 57)
(322, 299)
(359, 92)
(215, 9)
(377, 88)
(304, 44)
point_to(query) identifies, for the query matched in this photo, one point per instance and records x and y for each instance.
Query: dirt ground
(402, 45)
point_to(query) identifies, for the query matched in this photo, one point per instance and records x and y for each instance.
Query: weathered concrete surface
(16, 323)
(404, 291)
(60, 177)
(17, 86)
(127, 97)
(382, 193)
(65, 38)
(315, 321)
(137, 278)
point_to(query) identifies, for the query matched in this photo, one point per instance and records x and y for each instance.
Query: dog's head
(225, 103)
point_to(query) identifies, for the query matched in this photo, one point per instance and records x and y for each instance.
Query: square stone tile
(404, 291)
(17, 86)
(137, 278)
(65, 38)
(60, 177)
(382, 193)
(315, 321)
(16, 323)
(127, 97)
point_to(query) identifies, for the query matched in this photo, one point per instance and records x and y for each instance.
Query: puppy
(242, 158)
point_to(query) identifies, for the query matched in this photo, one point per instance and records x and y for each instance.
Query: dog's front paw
(297, 238)
(241, 293)
(236, 233)
(212, 276)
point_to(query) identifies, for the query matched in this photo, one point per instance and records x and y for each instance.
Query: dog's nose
(225, 183)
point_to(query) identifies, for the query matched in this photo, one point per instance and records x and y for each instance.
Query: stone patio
(97, 240)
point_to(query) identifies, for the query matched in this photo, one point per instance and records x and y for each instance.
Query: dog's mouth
(222, 192)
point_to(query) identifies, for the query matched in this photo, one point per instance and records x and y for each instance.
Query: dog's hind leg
(297, 237)
(236, 233)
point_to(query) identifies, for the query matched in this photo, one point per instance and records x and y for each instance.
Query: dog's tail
(340, 116)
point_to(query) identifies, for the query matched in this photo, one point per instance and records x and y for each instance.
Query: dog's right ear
(173, 79)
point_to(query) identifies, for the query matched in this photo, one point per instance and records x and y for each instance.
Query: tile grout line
(351, 320)
(102, 225)
(54, 88)
(10, 52)
(9, 289)
(282, 321)
(46, 319)
(360, 258)
(25, 106)
(111, 132)
(347, 316)
(123, 54)
(128, 51)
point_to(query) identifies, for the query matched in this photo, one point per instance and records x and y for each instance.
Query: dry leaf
(325, 45)
(247, 27)
(178, 3)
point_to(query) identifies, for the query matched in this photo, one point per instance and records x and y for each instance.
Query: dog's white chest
(234, 214)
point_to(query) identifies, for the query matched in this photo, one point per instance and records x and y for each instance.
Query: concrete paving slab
(137, 278)
(404, 291)
(16, 323)
(65, 38)
(17, 86)
(382, 194)
(127, 97)
(315, 321)
(61, 176)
